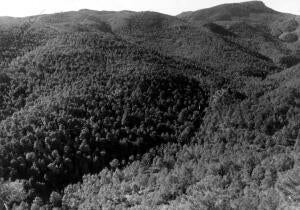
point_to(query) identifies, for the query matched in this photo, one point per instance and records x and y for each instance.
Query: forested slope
(245, 156)
(169, 35)
(256, 27)
(82, 100)
(142, 110)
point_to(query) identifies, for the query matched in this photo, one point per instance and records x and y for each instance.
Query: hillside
(143, 110)
(245, 156)
(176, 37)
(166, 34)
(228, 12)
(83, 98)
(271, 33)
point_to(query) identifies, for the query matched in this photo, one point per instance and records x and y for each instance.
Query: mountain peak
(257, 5)
(228, 11)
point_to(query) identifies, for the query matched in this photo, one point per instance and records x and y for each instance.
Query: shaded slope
(281, 46)
(259, 28)
(244, 157)
(21, 36)
(178, 38)
(84, 97)
(78, 102)
(167, 34)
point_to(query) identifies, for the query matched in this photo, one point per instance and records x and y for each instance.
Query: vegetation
(126, 110)
(74, 120)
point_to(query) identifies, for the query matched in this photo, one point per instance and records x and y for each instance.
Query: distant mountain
(86, 20)
(166, 34)
(173, 36)
(271, 33)
(251, 28)
(228, 12)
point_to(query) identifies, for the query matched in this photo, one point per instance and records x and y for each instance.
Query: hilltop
(228, 12)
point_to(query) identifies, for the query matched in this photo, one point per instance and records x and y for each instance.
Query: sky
(21, 8)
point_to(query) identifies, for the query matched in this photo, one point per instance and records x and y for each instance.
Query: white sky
(20, 8)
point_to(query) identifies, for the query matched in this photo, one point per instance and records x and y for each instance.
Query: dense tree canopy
(141, 110)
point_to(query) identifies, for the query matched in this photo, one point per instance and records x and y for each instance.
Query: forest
(143, 111)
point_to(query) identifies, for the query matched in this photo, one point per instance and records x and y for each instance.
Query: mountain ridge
(228, 10)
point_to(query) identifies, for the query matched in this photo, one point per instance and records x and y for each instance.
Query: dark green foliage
(21, 37)
(290, 37)
(243, 158)
(218, 52)
(166, 112)
(289, 61)
(86, 100)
